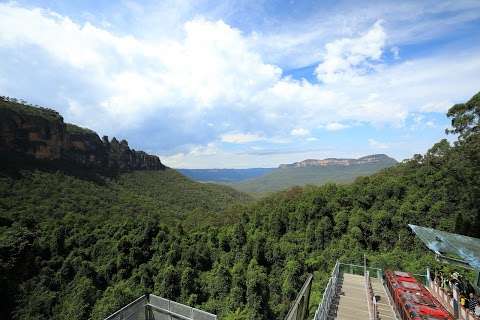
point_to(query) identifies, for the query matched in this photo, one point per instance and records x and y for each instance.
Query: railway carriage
(413, 301)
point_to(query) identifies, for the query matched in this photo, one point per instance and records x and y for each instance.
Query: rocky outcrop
(42, 134)
(371, 159)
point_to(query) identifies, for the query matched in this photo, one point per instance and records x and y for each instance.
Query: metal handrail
(143, 307)
(352, 268)
(168, 312)
(119, 313)
(294, 310)
(372, 302)
(175, 315)
(328, 295)
(367, 291)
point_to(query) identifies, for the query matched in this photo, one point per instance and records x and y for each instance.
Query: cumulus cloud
(300, 132)
(377, 144)
(240, 137)
(335, 126)
(395, 52)
(347, 58)
(211, 65)
(298, 42)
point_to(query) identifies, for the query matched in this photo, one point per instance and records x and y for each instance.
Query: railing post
(427, 282)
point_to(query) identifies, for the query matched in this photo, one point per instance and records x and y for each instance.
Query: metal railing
(152, 307)
(299, 309)
(360, 270)
(132, 311)
(372, 301)
(161, 308)
(328, 295)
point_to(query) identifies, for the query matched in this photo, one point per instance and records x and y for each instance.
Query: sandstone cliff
(41, 134)
(371, 159)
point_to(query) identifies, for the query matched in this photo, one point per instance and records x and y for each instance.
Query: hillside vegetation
(287, 177)
(75, 249)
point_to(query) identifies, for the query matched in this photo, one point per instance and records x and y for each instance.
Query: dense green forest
(79, 249)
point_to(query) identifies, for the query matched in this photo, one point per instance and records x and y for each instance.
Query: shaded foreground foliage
(74, 249)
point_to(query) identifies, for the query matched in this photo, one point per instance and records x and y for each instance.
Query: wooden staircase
(350, 302)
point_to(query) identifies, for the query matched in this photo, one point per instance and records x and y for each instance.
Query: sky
(240, 84)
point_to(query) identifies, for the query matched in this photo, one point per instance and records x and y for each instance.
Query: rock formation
(42, 134)
(374, 158)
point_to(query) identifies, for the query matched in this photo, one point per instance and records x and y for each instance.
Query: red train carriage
(412, 300)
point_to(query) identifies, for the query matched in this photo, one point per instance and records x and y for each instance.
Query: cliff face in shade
(42, 134)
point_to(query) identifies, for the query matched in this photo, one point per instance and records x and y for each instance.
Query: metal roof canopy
(451, 247)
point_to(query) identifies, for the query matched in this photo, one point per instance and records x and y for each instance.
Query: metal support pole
(477, 282)
(364, 264)
(427, 281)
(455, 302)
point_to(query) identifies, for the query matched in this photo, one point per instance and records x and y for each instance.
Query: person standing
(472, 302)
(477, 309)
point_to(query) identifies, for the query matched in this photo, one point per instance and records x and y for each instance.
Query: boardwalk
(350, 302)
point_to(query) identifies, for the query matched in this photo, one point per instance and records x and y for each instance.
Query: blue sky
(236, 84)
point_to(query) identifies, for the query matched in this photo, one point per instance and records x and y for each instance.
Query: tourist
(472, 302)
(477, 309)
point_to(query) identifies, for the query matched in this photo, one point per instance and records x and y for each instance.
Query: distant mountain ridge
(370, 159)
(315, 172)
(335, 169)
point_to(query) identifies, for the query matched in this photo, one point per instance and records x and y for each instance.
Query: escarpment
(41, 134)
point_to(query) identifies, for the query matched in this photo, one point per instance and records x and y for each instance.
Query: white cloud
(396, 52)
(240, 137)
(300, 132)
(347, 58)
(137, 77)
(335, 126)
(213, 69)
(377, 144)
(436, 106)
(208, 150)
(296, 43)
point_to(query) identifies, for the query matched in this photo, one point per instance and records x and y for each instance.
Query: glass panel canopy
(450, 246)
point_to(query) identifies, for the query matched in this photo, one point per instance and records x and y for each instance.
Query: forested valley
(76, 248)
